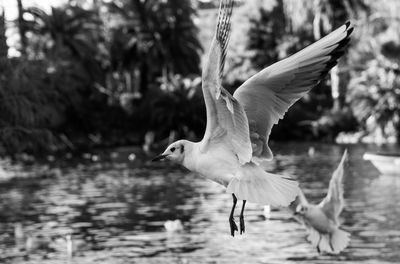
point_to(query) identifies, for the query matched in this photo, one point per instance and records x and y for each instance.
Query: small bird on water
(238, 126)
(322, 220)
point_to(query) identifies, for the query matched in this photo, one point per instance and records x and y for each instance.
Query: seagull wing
(267, 95)
(226, 118)
(332, 204)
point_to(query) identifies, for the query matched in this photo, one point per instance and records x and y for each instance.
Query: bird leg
(330, 242)
(242, 229)
(231, 220)
(319, 241)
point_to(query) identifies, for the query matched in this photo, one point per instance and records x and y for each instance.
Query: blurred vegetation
(106, 73)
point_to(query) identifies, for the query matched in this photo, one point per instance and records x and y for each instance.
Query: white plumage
(322, 220)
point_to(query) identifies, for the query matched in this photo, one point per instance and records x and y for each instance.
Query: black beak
(159, 157)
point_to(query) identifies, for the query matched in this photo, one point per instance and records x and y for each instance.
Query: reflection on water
(112, 211)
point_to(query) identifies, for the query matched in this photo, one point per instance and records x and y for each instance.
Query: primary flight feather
(267, 95)
(238, 125)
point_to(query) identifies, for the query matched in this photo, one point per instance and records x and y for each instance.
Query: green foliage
(375, 97)
(261, 36)
(157, 37)
(27, 108)
(67, 33)
(266, 32)
(3, 40)
(122, 68)
(48, 90)
(374, 87)
(77, 61)
(275, 29)
(177, 106)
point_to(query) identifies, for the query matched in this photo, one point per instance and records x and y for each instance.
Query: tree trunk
(21, 27)
(143, 77)
(317, 19)
(334, 73)
(335, 88)
(3, 42)
(3, 38)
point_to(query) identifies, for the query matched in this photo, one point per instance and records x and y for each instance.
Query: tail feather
(340, 240)
(255, 185)
(332, 243)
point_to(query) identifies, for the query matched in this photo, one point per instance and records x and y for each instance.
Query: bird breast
(317, 219)
(218, 164)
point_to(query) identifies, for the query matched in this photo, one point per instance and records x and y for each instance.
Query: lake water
(112, 210)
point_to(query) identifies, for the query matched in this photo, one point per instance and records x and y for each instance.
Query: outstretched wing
(268, 94)
(226, 118)
(332, 204)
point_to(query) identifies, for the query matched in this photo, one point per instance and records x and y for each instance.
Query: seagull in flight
(322, 220)
(238, 126)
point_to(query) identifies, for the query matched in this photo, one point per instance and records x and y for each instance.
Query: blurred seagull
(322, 220)
(238, 126)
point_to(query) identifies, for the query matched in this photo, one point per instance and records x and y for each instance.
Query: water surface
(112, 210)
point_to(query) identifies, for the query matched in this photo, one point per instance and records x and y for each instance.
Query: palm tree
(157, 38)
(68, 40)
(326, 15)
(66, 32)
(3, 41)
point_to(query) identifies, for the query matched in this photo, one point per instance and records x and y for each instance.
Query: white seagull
(322, 220)
(238, 126)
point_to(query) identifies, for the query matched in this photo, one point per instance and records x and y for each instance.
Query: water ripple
(114, 212)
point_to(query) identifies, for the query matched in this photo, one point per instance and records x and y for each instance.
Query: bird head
(301, 210)
(174, 152)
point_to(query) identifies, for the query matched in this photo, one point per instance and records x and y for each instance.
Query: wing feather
(227, 122)
(268, 94)
(332, 204)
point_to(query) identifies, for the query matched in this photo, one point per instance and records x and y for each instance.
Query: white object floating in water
(73, 245)
(70, 250)
(267, 212)
(173, 225)
(95, 158)
(132, 157)
(384, 162)
(311, 151)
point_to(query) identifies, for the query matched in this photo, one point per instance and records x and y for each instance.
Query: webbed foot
(233, 226)
(242, 227)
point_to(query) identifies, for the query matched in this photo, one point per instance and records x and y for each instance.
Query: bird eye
(172, 149)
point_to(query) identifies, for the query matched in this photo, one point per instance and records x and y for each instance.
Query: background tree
(158, 38)
(105, 73)
(373, 90)
(68, 31)
(21, 27)
(3, 41)
(327, 15)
